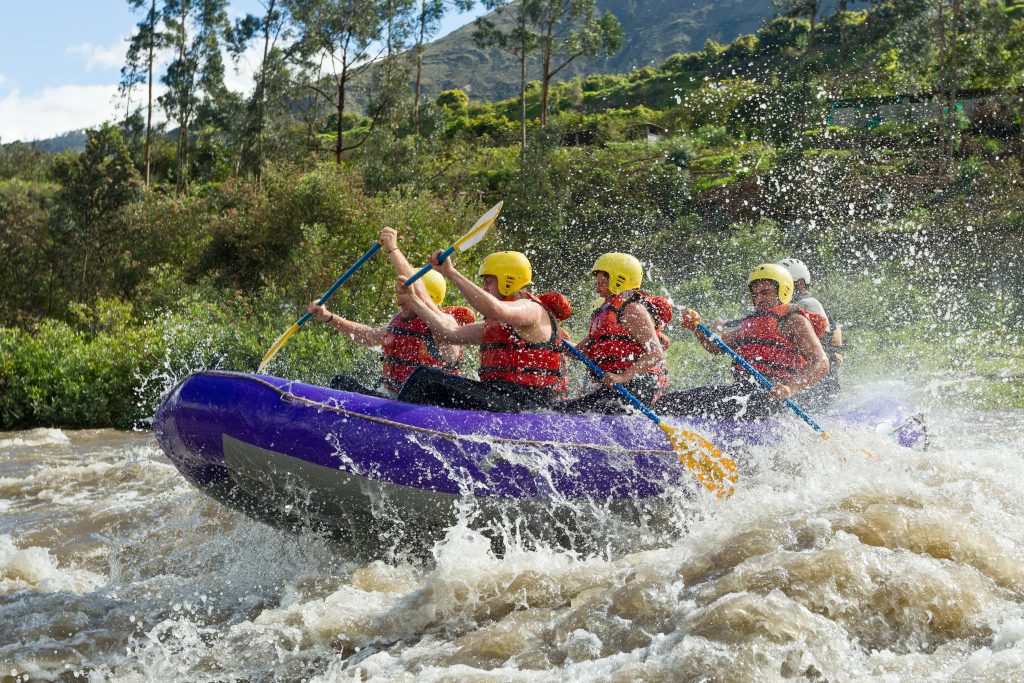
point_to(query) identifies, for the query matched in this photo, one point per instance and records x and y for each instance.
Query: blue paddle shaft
(346, 275)
(621, 389)
(425, 269)
(757, 375)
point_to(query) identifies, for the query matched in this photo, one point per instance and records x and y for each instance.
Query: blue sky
(60, 62)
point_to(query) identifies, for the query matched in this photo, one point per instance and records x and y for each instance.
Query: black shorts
(435, 387)
(608, 401)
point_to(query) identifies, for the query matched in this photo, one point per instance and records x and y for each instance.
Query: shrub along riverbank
(916, 315)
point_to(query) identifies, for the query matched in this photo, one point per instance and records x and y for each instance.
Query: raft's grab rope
(453, 436)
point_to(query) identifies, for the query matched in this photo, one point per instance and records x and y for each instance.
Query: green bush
(968, 173)
(714, 102)
(114, 374)
(64, 377)
(690, 62)
(782, 33)
(712, 135)
(454, 102)
(740, 51)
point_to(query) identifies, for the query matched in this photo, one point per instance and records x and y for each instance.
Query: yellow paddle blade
(277, 346)
(705, 461)
(479, 229)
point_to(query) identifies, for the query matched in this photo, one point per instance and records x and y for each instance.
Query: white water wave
(34, 568)
(33, 438)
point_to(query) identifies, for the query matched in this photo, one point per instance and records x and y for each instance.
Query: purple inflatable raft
(298, 455)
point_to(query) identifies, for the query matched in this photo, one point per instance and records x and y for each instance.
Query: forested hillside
(883, 146)
(653, 31)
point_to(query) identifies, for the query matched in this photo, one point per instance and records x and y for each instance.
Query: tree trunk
(939, 93)
(341, 113)
(522, 108)
(389, 71)
(841, 11)
(262, 95)
(181, 164)
(419, 68)
(810, 35)
(391, 28)
(953, 40)
(149, 80)
(546, 73)
(805, 70)
(1020, 102)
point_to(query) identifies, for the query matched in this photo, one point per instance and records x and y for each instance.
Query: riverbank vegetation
(883, 147)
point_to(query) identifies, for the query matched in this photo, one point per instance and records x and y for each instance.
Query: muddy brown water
(825, 565)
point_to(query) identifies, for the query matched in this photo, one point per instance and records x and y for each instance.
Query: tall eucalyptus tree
(516, 36)
(195, 76)
(569, 29)
(428, 20)
(337, 36)
(139, 61)
(271, 84)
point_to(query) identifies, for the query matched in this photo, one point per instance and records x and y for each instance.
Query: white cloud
(109, 57)
(57, 110)
(54, 111)
(3, 79)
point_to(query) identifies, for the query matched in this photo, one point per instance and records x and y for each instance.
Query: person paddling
(778, 339)
(521, 356)
(825, 391)
(406, 341)
(626, 339)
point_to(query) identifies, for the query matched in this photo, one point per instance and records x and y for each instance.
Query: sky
(60, 62)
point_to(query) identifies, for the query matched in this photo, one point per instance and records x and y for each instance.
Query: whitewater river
(825, 565)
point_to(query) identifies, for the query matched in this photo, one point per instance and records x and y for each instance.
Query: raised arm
(445, 328)
(521, 314)
(357, 332)
(389, 242)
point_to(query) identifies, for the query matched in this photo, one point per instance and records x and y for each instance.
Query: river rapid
(825, 565)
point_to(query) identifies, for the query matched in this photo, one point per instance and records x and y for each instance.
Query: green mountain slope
(655, 30)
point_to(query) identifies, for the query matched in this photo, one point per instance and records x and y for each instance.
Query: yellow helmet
(510, 267)
(435, 285)
(777, 274)
(624, 271)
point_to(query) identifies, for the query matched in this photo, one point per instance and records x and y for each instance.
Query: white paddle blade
(480, 229)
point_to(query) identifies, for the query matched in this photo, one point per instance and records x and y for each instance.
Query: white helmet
(797, 269)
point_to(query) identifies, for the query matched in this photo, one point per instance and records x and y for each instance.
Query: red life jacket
(761, 343)
(505, 356)
(408, 344)
(613, 348)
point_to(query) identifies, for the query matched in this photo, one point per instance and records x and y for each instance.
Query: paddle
(471, 238)
(476, 233)
(713, 469)
(327, 295)
(759, 377)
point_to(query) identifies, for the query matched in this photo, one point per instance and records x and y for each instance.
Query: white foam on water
(33, 438)
(826, 564)
(36, 569)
